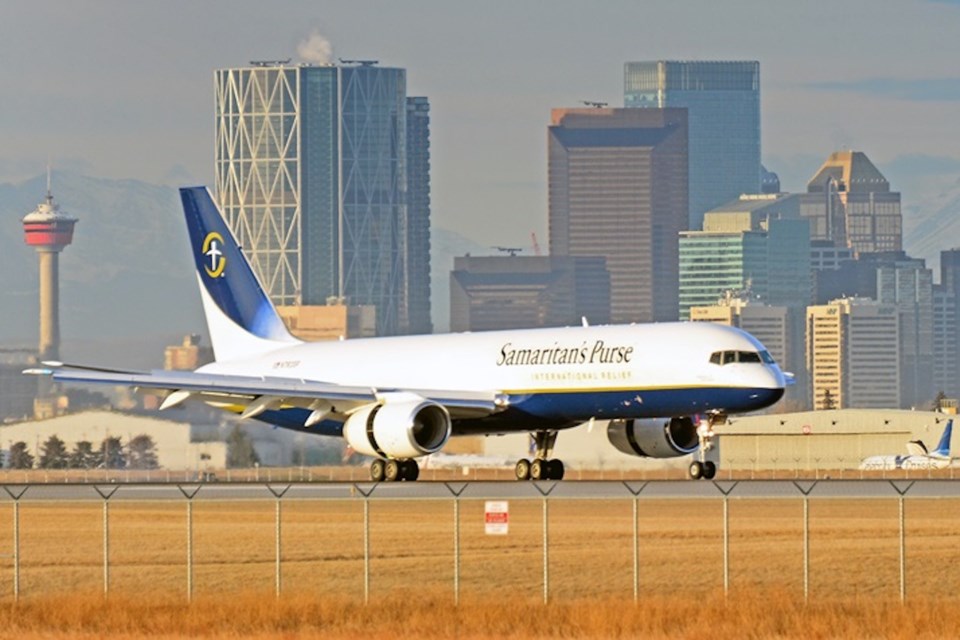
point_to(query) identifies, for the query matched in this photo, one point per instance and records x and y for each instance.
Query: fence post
(636, 551)
(15, 496)
(806, 548)
(726, 546)
(456, 539)
(106, 494)
(636, 538)
(106, 547)
(726, 488)
(366, 540)
(902, 492)
(189, 495)
(546, 552)
(278, 494)
(545, 492)
(903, 555)
(366, 550)
(805, 488)
(16, 550)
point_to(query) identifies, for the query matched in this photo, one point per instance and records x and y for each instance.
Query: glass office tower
(418, 216)
(723, 104)
(311, 172)
(617, 188)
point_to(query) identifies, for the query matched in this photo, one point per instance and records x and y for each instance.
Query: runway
(479, 490)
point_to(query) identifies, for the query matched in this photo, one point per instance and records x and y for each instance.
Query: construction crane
(591, 103)
(512, 251)
(536, 245)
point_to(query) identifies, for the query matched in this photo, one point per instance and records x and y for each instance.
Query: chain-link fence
(561, 540)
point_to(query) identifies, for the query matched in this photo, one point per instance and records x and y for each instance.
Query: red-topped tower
(49, 230)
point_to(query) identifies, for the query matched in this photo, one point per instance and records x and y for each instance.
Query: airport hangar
(176, 443)
(805, 441)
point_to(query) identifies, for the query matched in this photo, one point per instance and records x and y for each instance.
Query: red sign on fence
(496, 517)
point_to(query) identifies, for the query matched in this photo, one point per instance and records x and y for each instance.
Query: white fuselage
(639, 369)
(643, 356)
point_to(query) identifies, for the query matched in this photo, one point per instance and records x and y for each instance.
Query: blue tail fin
(240, 317)
(943, 449)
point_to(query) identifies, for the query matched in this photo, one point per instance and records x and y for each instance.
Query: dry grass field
(854, 570)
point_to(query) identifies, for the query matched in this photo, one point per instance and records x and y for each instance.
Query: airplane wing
(259, 393)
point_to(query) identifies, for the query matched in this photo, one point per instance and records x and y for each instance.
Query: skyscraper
(853, 355)
(757, 244)
(618, 189)
(418, 216)
(907, 285)
(722, 99)
(849, 204)
(311, 172)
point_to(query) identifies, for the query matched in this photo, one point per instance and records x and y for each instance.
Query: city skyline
(136, 104)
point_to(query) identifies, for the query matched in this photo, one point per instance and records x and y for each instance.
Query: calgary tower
(49, 230)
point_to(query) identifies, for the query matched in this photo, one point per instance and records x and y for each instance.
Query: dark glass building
(618, 188)
(526, 292)
(722, 99)
(417, 285)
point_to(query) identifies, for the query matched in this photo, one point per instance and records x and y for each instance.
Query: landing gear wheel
(523, 469)
(409, 470)
(377, 470)
(539, 469)
(696, 470)
(709, 470)
(391, 471)
(555, 469)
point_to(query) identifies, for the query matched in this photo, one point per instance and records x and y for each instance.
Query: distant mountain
(127, 284)
(933, 225)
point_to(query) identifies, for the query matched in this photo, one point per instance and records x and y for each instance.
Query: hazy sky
(125, 89)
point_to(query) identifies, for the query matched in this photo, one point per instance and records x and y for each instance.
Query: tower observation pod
(49, 230)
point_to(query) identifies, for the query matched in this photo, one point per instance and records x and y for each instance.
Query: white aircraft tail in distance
(917, 456)
(397, 399)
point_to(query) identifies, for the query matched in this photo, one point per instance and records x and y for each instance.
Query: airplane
(396, 399)
(917, 456)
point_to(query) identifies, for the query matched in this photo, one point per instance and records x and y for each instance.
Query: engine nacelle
(654, 437)
(402, 425)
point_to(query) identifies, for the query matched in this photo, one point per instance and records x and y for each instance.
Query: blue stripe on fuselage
(560, 410)
(644, 404)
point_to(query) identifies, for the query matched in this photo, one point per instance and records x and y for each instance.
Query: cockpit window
(729, 357)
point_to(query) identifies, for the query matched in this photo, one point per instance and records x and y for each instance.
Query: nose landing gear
(703, 468)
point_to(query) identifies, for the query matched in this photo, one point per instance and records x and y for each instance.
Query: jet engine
(654, 437)
(401, 425)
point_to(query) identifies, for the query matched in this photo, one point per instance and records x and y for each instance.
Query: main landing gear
(394, 470)
(541, 467)
(701, 467)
